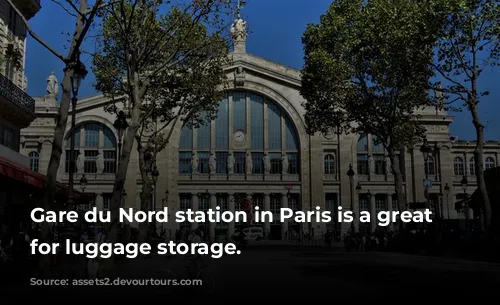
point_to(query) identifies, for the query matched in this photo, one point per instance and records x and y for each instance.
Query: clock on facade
(239, 136)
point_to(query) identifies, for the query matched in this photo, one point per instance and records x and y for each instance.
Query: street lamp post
(350, 173)
(465, 185)
(120, 125)
(447, 193)
(79, 73)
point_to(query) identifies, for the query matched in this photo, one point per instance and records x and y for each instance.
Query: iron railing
(17, 96)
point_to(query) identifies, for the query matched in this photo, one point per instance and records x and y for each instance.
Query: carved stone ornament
(239, 77)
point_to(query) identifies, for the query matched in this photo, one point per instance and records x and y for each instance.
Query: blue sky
(276, 28)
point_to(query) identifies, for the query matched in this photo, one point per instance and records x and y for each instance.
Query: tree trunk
(55, 158)
(146, 190)
(398, 183)
(479, 163)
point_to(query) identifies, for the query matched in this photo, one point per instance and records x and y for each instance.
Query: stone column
(389, 208)
(213, 205)
(284, 225)
(194, 207)
(267, 207)
(231, 206)
(373, 213)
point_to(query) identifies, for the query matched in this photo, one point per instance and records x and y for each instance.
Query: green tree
(85, 13)
(167, 66)
(468, 45)
(367, 68)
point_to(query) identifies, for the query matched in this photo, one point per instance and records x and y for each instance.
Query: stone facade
(323, 160)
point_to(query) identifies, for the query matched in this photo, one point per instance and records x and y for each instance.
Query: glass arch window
(34, 159)
(489, 163)
(246, 123)
(458, 166)
(366, 147)
(90, 139)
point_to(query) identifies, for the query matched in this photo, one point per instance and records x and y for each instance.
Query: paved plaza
(273, 270)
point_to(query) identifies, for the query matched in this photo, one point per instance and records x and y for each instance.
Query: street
(287, 271)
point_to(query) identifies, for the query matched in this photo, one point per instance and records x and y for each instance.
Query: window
(239, 164)
(329, 164)
(472, 166)
(239, 111)
(274, 128)
(380, 203)
(34, 159)
(96, 138)
(275, 163)
(430, 167)
(257, 163)
(106, 201)
(203, 166)
(185, 204)
(223, 204)
(367, 145)
(204, 136)
(293, 204)
(185, 162)
(293, 163)
(246, 111)
(458, 166)
(257, 120)
(8, 137)
(395, 206)
(221, 162)
(490, 163)
(12, 26)
(275, 207)
(331, 205)
(222, 125)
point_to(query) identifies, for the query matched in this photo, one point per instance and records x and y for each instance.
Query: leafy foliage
(369, 63)
(468, 45)
(170, 64)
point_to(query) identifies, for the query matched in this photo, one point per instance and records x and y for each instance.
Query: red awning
(20, 173)
(23, 174)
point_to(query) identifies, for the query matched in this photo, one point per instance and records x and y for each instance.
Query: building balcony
(28, 7)
(15, 104)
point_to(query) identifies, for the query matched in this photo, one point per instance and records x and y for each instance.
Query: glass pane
(257, 121)
(239, 111)
(274, 121)
(221, 125)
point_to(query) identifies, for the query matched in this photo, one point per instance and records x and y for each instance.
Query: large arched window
(91, 139)
(489, 163)
(472, 166)
(366, 147)
(430, 167)
(245, 123)
(458, 166)
(34, 158)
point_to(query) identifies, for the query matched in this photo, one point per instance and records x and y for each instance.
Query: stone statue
(230, 163)
(388, 168)
(212, 163)
(249, 164)
(80, 162)
(100, 162)
(239, 30)
(239, 76)
(52, 85)
(194, 164)
(284, 164)
(267, 164)
(371, 164)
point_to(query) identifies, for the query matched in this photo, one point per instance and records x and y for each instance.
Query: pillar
(284, 225)
(231, 206)
(267, 207)
(213, 205)
(373, 213)
(389, 208)
(194, 207)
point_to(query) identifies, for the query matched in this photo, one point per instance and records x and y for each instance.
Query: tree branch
(66, 9)
(34, 35)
